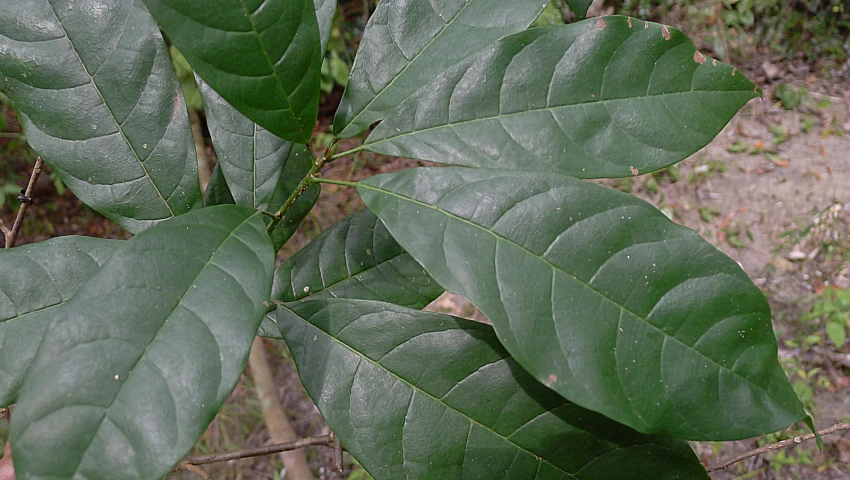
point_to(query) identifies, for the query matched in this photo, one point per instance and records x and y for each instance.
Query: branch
(838, 427)
(191, 468)
(7, 470)
(26, 200)
(280, 430)
(326, 440)
(302, 185)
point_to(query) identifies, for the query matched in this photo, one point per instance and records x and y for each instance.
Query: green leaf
(262, 56)
(36, 279)
(593, 99)
(251, 157)
(579, 7)
(421, 395)
(599, 296)
(94, 87)
(836, 329)
(407, 44)
(355, 258)
(258, 168)
(217, 192)
(325, 12)
(133, 368)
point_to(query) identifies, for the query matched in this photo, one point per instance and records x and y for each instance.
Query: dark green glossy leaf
(258, 168)
(252, 158)
(579, 7)
(217, 192)
(599, 296)
(406, 44)
(133, 368)
(606, 97)
(99, 101)
(35, 279)
(325, 12)
(355, 258)
(421, 395)
(262, 56)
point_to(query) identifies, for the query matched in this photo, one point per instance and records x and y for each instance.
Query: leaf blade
(251, 157)
(472, 413)
(548, 258)
(46, 275)
(570, 99)
(408, 43)
(66, 70)
(355, 258)
(579, 7)
(217, 192)
(137, 365)
(262, 57)
(325, 13)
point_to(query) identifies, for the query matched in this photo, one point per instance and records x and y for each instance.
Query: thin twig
(326, 440)
(337, 453)
(838, 427)
(26, 199)
(277, 423)
(194, 469)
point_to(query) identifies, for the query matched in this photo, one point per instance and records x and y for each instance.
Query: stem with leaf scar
(302, 185)
(11, 234)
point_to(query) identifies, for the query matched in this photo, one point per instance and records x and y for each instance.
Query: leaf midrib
(432, 397)
(338, 282)
(406, 67)
(272, 66)
(550, 109)
(586, 285)
(156, 336)
(118, 125)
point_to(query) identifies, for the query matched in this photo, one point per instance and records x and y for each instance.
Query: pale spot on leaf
(665, 32)
(600, 24)
(629, 20)
(634, 170)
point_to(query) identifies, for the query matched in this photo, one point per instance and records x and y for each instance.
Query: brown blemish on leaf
(600, 24)
(665, 32)
(699, 58)
(629, 20)
(714, 61)
(552, 379)
(634, 170)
